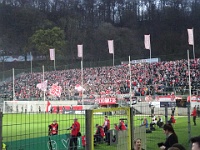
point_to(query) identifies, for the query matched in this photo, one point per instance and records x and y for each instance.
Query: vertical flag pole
(43, 79)
(54, 60)
(82, 81)
(80, 54)
(190, 94)
(113, 59)
(31, 62)
(54, 64)
(193, 43)
(13, 84)
(130, 92)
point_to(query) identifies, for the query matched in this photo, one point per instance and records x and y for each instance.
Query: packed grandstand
(158, 78)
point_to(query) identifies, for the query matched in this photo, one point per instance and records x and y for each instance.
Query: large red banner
(106, 100)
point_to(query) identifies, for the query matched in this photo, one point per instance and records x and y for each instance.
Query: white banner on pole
(110, 46)
(52, 54)
(190, 37)
(80, 50)
(147, 43)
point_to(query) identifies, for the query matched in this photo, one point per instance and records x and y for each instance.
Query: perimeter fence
(29, 131)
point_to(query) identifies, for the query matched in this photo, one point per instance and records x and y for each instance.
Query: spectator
(160, 122)
(75, 129)
(121, 125)
(172, 120)
(198, 111)
(57, 109)
(106, 127)
(178, 146)
(173, 111)
(171, 137)
(53, 128)
(153, 122)
(194, 114)
(39, 109)
(138, 144)
(195, 143)
(145, 123)
(99, 134)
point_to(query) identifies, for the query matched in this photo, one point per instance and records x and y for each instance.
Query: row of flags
(147, 42)
(55, 89)
(147, 45)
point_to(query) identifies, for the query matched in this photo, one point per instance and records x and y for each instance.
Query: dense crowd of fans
(155, 78)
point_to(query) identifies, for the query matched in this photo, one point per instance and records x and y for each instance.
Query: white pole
(113, 59)
(54, 64)
(190, 95)
(193, 44)
(43, 79)
(82, 81)
(31, 62)
(13, 84)
(130, 92)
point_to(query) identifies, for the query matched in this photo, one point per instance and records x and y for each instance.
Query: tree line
(37, 25)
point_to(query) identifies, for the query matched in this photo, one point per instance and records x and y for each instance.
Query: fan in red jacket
(194, 114)
(99, 134)
(121, 126)
(75, 129)
(53, 128)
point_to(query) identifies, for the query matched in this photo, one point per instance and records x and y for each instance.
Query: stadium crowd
(157, 78)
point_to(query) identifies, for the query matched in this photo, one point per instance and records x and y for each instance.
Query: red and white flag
(190, 37)
(42, 86)
(48, 107)
(147, 43)
(56, 90)
(79, 88)
(52, 54)
(80, 50)
(110, 46)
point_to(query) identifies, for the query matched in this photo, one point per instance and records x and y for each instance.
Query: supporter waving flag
(42, 86)
(55, 90)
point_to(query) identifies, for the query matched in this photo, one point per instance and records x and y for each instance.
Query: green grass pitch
(25, 126)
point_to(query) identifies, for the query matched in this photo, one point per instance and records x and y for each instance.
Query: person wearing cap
(75, 129)
(195, 143)
(53, 128)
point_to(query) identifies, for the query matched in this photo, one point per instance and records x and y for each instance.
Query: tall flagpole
(82, 80)
(130, 92)
(54, 64)
(13, 84)
(31, 62)
(190, 95)
(43, 79)
(113, 59)
(193, 44)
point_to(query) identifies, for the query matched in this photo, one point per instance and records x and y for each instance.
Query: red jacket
(122, 126)
(194, 112)
(100, 131)
(75, 128)
(53, 128)
(108, 124)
